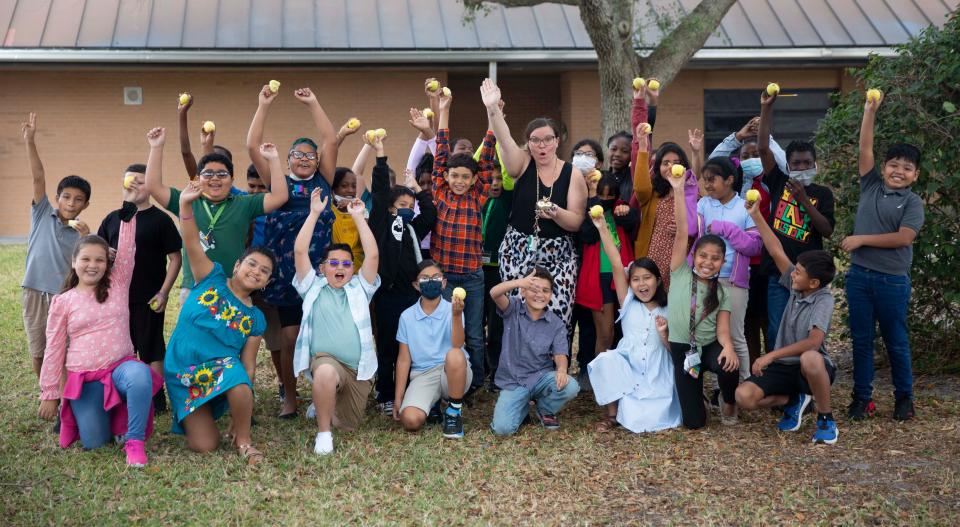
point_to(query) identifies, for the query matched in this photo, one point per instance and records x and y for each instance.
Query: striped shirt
(457, 242)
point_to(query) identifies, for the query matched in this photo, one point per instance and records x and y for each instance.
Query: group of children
(394, 287)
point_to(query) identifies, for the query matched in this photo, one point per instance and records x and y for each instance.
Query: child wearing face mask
(595, 284)
(398, 233)
(801, 211)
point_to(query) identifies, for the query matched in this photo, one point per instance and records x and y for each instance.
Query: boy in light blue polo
(432, 356)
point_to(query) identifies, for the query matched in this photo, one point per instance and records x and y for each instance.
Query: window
(795, 118)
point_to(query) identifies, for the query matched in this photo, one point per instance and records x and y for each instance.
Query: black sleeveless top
(525, 201)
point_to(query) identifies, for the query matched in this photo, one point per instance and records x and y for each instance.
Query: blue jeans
(132, 379)
(512, 405)
(777, 298)
(879, 297)
(472, 318)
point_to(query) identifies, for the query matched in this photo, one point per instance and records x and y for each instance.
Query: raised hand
(190, 193)
(346, 130)
(269, 151)
(527, 282)
(304, 95)
(184, 108)
(641, 93)
(753, 209)
(410, 180)
(662, 325)
(653, 95)
(600, 222)
(457, 304)
(490, 94)
(355, 208)
(426, 89)
(676, 182)
(643, 136)
(695, 137)
(206, 140)
(445, 101)
(766, 99)
(157, 136)
(318, 202)
(873, 105)
(266, 95)
(29, 128)
(420, 122)
(749, 129)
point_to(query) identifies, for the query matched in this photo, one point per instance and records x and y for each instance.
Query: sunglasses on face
(210, 174)
(340, 263)
(296, 154)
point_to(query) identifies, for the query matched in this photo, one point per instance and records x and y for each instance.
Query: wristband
(184, 218)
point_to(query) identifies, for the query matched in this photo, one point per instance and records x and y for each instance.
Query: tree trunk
(673, 52)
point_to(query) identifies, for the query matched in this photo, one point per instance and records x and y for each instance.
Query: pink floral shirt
(84, 335)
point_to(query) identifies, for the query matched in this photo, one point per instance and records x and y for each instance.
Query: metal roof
(394, 30)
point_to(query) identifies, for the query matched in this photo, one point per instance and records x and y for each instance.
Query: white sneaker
(324, 444)
(728, 420)
(311, 412)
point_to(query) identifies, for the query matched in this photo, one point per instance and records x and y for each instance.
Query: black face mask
(608, 204)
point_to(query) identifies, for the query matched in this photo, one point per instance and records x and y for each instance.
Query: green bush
(921, 86)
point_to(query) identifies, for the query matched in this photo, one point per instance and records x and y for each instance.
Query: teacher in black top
(549, 201)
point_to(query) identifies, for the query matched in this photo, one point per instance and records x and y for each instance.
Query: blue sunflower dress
(203, 355)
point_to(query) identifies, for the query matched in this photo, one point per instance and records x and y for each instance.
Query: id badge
(485, 256)
(532, 243)
(691, 364)
(207, 241)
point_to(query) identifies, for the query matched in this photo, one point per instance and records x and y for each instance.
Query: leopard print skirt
(557, 255)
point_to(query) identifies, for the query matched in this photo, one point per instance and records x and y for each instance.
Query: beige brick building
(75, 63)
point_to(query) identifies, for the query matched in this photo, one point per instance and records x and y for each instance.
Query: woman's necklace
(543, 203)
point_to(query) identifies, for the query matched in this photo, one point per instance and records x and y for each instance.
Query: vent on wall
(133, 95)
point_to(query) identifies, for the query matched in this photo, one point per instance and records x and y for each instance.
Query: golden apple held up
(459, 292)
(753, 195)
(653, 85)
(596, 211)
(184, 99)
(353, 123)
(873, 95)
(209, 127)
(773, 89)
(678, 170)
(433, 86)
(638, 83)
(274, 86)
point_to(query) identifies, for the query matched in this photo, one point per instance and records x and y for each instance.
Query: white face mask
(804, 177)
(585, 164)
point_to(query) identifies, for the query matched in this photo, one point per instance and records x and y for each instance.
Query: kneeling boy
(799, 365)
(533, 356)
(431, 355)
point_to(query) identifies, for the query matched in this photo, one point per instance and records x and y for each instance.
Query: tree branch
(474, 5)
(676, 48)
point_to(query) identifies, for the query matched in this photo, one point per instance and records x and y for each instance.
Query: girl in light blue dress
(635, 381)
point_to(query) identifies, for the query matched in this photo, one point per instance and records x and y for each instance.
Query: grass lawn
(879, 472)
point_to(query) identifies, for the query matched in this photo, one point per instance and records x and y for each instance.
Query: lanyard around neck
(213, 217)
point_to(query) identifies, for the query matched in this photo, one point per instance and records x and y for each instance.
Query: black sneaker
(715, 398)
(160, 402)
(452, 423)
(903, 409)
(435, 417)
(549, 421)
(860, 409)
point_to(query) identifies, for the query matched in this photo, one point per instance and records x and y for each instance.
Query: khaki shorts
(352, 394)
(428, 386)
(271, 337)
(36, 306)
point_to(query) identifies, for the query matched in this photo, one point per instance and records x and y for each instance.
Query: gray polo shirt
(882, 211)
(801, 315)
(49, 248)
(528, 346)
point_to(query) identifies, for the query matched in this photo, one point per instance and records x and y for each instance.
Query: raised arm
(679, 255)
(153, 179)
(200, 264)
(514, 158)
(638, 115)
(770, 240)
(278, 194)
(613, 255)
(371, 254)
(499, 292)
(866, 160)
(189, 161)
(695, 138)
(255, 134)
(763, 131)
(301, 246)
(29, 130)
(456, 335)
(329, 147)
(642, 182)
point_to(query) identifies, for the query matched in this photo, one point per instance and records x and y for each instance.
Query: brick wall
(85, 129)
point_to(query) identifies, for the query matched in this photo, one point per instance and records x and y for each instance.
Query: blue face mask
(431, 289)
(752, 167)
(405, 214)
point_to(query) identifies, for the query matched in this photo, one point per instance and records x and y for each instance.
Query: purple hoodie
(746, 244)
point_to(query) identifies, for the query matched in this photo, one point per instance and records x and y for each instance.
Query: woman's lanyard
(207, 240)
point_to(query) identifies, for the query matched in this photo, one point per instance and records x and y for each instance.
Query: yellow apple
(595, 175)
(446, 92)
(596, 211)
(653, 85)
(433, 86)
(753, 195)
(209, 127)
(645, 128)
(459, 292)
(428, 113)
(274, 86)
(638, 83)
(380, 133)
(678, 170)
(353, 123)
(773, 89)
(128, 180)
(154, 304)
(73, 223)
(370, 135)
(184, 99)
(873, 95)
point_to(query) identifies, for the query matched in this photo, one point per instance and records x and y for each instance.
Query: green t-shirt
(612, 227)
(678, 308)
(334, 330)
(229, 232)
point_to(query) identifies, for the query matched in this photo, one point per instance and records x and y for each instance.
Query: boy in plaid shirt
(459, 190)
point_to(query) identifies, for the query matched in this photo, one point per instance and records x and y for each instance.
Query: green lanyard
(213, 217)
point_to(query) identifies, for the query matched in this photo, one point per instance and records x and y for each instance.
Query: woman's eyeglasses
(542, 141)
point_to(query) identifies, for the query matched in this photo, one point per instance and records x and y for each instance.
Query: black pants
(492, 320)
(587, 339)
(388, 306)
(690, 390)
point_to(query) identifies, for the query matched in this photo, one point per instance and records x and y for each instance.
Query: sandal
(606, 424)
(250, 453)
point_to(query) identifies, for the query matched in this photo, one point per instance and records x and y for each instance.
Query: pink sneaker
(136, 456)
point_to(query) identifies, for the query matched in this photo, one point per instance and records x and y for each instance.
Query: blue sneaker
(452, 423)
(793, 413)
(826, 433)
